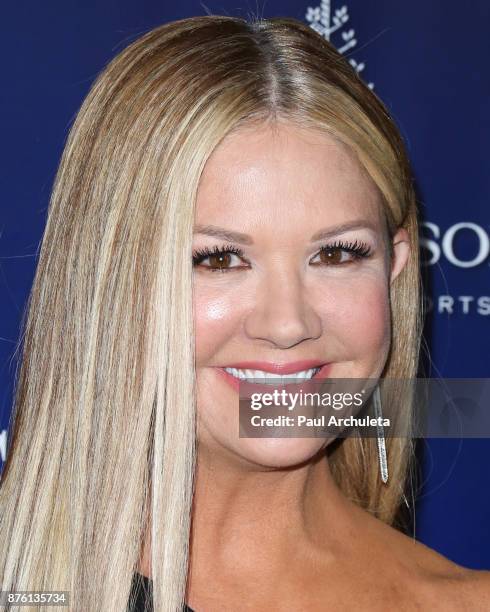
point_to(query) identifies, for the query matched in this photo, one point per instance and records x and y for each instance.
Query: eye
(219, 258)
(341, 253)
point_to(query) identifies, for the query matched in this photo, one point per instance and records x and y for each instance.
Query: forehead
(258, 173)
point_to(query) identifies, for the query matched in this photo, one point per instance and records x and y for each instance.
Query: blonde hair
(103, 436)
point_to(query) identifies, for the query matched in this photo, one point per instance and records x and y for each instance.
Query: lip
(280, 369)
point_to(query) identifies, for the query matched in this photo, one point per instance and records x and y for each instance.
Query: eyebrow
(327, 232)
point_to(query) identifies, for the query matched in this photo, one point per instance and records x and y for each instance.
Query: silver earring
(380, 436)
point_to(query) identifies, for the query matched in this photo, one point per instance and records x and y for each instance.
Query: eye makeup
(356, 250)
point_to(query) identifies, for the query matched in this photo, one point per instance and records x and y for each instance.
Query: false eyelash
(200, 254)
(358, 249)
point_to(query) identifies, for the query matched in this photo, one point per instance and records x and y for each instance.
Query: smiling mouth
(262, 377)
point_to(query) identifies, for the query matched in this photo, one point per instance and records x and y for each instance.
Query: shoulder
(426, 578)
(478, 586)
(439, 583)
(460, 589)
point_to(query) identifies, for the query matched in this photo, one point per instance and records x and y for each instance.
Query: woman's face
(276, 298)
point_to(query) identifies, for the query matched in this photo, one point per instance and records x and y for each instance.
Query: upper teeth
(269, 378)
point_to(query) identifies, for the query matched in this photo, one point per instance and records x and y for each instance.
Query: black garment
(142, 588)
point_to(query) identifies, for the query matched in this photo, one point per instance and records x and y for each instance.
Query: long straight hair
(102, 438)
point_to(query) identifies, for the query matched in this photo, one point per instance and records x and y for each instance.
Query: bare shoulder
(449, 586)
(419, 577)
(440, 583)
(474, 591)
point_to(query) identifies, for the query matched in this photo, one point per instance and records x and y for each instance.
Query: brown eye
(219, 261)
(341, 253)
(331, 256)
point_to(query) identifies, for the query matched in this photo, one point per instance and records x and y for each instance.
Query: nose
(283, 314)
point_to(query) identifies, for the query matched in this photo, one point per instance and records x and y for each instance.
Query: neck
(253, 520)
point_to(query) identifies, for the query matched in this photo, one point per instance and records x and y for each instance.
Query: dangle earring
(380, 436)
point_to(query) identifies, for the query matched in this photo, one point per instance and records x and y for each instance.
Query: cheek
(215, 317)
(359, 316)
(370, 318)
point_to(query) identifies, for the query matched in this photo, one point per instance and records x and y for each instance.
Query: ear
(401, 252)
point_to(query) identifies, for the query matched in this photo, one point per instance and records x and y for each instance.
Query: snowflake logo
(325, 23)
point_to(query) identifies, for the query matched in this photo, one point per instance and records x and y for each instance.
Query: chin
(278, 452)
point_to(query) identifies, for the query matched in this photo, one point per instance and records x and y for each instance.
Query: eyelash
(359, 250)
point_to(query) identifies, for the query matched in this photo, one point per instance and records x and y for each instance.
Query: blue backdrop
(426, 59)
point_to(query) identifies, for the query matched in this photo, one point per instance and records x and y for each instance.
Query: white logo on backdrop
(326, 23)
(442, 244)
(438, 245)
